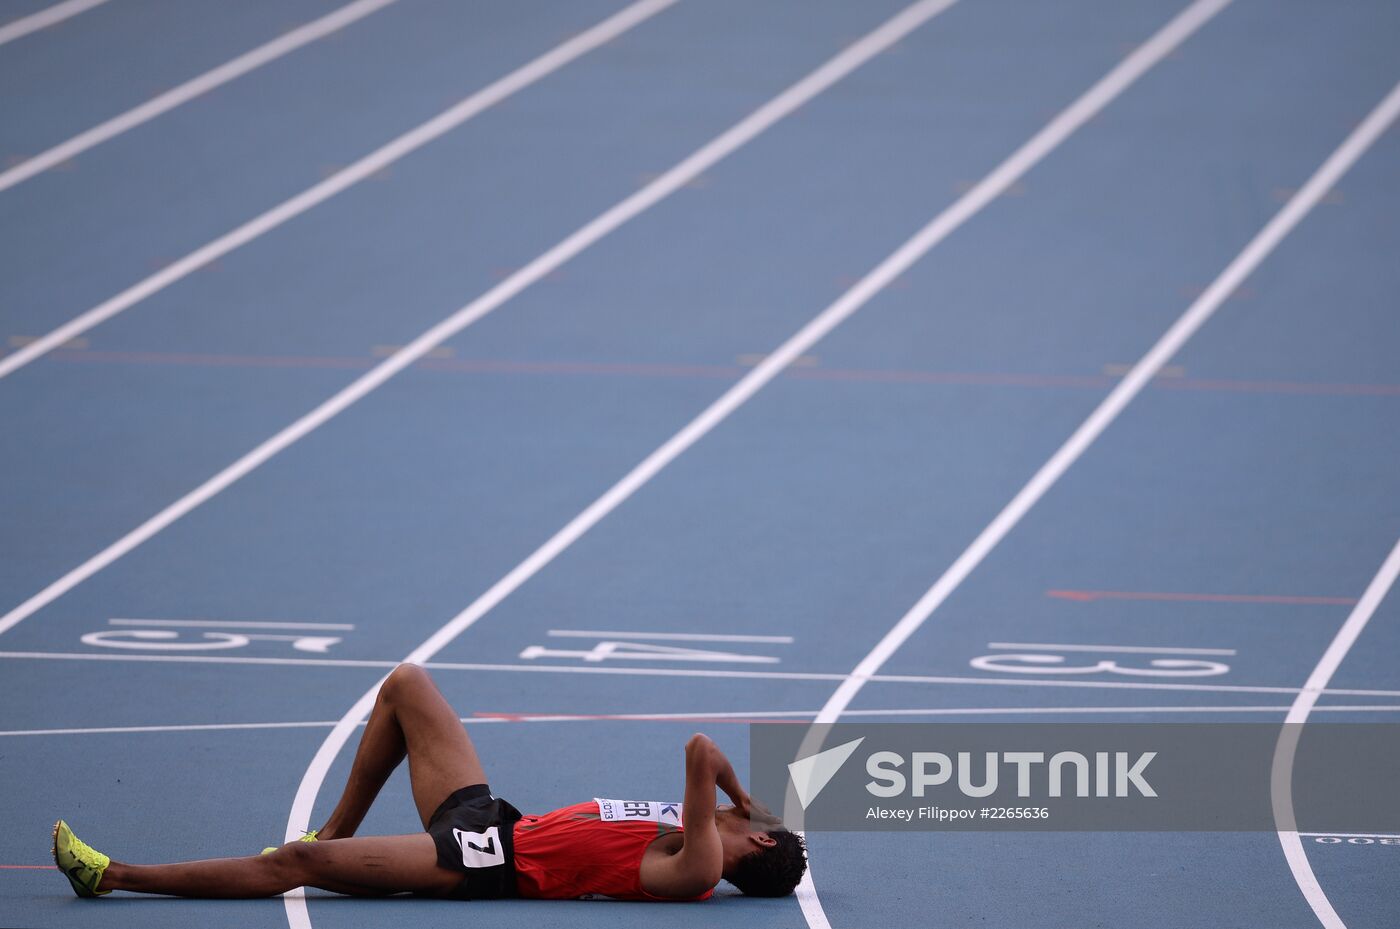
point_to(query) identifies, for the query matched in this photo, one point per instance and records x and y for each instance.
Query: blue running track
(169, 697)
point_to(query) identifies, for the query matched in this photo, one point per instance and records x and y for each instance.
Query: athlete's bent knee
(403, 676)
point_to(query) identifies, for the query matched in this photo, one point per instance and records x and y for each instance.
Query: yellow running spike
(80, 863)
(306, 837)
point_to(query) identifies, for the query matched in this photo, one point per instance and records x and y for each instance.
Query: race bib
(480, 849)
(643, 811)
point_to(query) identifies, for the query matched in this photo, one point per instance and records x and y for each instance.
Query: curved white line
(1281, 781)
(377, 160)
(809, 87)
(202, 84)
(781, 715)
(1244, 264)
(17, 28)
(1069, 120)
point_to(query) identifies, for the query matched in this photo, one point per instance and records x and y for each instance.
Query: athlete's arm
(746, 806)
(699, 864)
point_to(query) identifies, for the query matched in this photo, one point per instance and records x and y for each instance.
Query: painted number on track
(625, 646)
(202, 635)
(1041, 659)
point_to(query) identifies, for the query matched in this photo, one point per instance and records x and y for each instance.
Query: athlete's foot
(313, 836)
(83, 865)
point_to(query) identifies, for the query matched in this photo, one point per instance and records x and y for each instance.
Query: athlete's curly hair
(772, 871)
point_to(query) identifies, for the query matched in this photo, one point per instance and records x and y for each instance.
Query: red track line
(994, 379)
(582, 367)
(625, 369)
(1284, 387)
(625, 717)
(465, 365)
(1089, 596)
(27, 867)
(203, 360)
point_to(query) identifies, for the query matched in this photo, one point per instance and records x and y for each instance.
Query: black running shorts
(474, 834)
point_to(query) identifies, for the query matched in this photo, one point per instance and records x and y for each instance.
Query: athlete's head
(761, 864)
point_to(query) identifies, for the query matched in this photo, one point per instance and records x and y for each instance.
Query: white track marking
(1057, 710)
(205, 659)
(1350, 835)
(1083, 109)
(377, 160)
(671, 636)
(57, 13)
(672, 180)
(1110, 86)
(855, 55)
(192, 727)
(221, 624)
(683, 672)
(1104, 685)
(1238, 270)
(206, 727)
(748, 714)
(940, 711)
(899, 679)
(380, 373)
(1045, 646)
(1281, 780)
(176, 96)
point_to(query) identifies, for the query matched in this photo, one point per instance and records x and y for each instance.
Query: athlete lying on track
(477, 846)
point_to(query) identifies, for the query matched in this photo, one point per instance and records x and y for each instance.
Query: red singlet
(591, 849)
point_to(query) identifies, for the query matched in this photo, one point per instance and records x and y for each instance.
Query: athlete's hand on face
(725, 779)
(758, 814)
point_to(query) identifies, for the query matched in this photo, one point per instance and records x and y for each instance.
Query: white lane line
(672, 180)
(1110, 86)
(1281, 780)
(377, 160)
(809, 87)
(222, 624)
(225, 727)
(57, 13)
(1350, 835)
(686, 672)
(204, 659)
(191, 727)
(1135, 649)
(207, 727)
(934, 711)
(1114, 83)
(1244, 264)
(382, 372)
(747, 714)
(164, 103)
(671, 636)
(1057, 710)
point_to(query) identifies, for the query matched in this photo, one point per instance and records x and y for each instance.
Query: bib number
(638, 811)
(480, 849)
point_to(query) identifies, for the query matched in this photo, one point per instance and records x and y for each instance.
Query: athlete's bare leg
(370, 866)
(410, 718)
